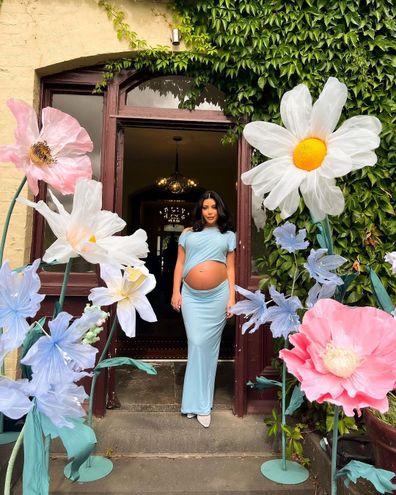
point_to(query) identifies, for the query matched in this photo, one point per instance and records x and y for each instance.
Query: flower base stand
(290, 473)
(95, 468)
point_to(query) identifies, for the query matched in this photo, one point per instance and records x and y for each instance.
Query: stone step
(126, 432)
(193, 475)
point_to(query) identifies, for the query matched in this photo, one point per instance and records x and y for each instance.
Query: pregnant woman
(206, 265)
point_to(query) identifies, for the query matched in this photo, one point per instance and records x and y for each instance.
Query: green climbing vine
(254, 51)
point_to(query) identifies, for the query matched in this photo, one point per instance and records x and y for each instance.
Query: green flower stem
(62, 295)
(295, 275)
(2, 246)
(283, 414)
(11, 462)
(96, 375)
(334, 451)
(97, 372)
(8, 218)
(283, 433)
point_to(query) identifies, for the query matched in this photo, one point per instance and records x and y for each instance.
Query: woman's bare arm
(177, 279)
(230, 264)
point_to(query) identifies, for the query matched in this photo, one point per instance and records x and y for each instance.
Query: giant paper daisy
(307, 154)
(344, 355)
(56, 154)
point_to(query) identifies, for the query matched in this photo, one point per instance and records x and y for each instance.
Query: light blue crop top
(207, 245)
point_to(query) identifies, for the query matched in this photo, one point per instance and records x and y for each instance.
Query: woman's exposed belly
(206, 275)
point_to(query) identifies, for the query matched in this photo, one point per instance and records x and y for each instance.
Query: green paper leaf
(78, 441)
(296, 400)
(380, 292)
(341, 290)
(263, 382)
(35, 470)
(119, 361)
(31, 338)
(324, 235)
(380, 478)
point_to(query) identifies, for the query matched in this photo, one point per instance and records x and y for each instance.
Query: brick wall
(40, 38)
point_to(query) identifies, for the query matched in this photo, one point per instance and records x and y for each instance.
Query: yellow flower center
(309, 154)
(341, 362)
(135, 276)
(40, 154)
(92, 238)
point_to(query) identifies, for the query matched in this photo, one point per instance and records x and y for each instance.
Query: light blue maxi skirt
(204, 315)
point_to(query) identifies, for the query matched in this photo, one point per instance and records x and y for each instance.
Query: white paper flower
(129, 291)
(307, 154)
(88, 230)
(391, 258)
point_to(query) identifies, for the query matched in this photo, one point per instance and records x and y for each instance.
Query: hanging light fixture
(176, 183)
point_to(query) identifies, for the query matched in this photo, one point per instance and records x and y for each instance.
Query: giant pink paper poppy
(344, 355)
(56, 154)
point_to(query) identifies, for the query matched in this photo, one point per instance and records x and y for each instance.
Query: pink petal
(26, 132)
(63, 133)
(64, 175)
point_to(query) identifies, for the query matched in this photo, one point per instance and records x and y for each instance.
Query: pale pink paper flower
(344, 355)
(56, 154)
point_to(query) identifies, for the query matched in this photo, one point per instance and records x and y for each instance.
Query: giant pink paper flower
(344, 355)
(56, 154)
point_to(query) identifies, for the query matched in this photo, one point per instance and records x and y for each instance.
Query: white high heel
(191, 415)
(204, 420)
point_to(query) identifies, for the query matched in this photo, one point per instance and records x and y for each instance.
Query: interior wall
(150, 154)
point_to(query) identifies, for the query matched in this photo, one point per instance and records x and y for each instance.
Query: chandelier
(176, 183)
(174, 213)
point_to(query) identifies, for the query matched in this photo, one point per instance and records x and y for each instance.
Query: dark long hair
(224, 219)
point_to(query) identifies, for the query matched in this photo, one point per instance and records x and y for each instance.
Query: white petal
(87, 200)
(55, 221)
(143, 307)
(322, 196)
(107, 224)
(112, 276)
(148, 285)
(126, 250)
(327, 109)
(288, 183)
(335, 164)
(102, 296)
(59, 205)
(352, 141)
(296, 108)
(126, 314)
(290, 204)
(271, 140)
(360, 160)
(264, 177)
(59, 251)
(360, 122)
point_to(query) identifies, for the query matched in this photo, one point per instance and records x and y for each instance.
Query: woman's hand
(230, 304)
(176, 301)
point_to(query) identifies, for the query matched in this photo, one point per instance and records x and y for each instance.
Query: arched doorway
(112, 117)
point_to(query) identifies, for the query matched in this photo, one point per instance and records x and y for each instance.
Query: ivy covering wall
(254, 51)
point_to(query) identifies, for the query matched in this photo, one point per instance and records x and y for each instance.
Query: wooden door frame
(252, 352)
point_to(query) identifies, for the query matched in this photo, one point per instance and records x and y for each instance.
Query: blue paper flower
(283, 315)
(56, 357)
(14, 402)
(319, 291)
(253, 307)
(59, 403)
(320, 266)
(19, 299)
(287, 238)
